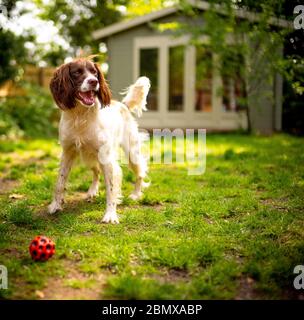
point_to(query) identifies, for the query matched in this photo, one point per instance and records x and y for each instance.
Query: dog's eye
(93, 71)
(77, 72)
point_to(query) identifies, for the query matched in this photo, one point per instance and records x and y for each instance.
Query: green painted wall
(265, 103)
(120, 48)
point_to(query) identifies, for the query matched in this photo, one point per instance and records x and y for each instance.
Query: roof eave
(125, 25)
(203, 5)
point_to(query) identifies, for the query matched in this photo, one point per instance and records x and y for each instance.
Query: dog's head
(80, 80)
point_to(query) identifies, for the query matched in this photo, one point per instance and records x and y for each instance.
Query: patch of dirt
(59, 289)
(24, 161)
(12, 252)
(292, 294)
(277, 204)
(6, 185)
(174, 275)
(171, 276)
(246, 290)
(21, 290)
(27, 157)
(156, 207)
(208, 220)
(73, 203)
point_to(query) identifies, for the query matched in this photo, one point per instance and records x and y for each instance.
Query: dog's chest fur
(80, 130)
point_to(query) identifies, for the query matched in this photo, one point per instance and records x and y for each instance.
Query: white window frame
(188, 116)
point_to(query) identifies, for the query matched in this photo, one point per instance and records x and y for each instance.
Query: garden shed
(182, 95)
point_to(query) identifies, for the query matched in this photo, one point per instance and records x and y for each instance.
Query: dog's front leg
(67, 159)
(112, 176)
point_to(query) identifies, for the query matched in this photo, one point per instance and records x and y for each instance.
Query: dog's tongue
(87, 97)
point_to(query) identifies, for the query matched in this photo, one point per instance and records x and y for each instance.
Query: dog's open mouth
(87, 98)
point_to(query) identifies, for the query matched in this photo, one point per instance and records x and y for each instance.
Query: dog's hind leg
(139, 168)
(137, 163)
(136, 101)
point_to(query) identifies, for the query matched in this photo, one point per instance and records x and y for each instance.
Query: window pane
(234, 93)
(176, 78)
(203, 82)
(149, 68)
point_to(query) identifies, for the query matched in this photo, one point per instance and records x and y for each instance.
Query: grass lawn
(235, 232)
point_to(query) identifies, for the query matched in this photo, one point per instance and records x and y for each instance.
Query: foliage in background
(140, 7)
(293, 104)
(76, 20)
(12, 50)
(32, 114)
(293, 111)
(70, 23)
(257, 44)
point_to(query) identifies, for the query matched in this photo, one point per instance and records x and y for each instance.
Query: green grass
(234, 232)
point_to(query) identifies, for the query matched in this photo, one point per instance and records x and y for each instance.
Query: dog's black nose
(92, 82)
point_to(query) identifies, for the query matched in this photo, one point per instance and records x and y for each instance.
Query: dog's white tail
(136, 95)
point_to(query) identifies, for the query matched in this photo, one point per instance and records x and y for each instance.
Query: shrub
(11, 50)
(32, 114)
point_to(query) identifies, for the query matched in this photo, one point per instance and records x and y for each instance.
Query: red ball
(42, 248)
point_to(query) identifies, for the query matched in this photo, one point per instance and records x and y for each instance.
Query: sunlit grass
(199, 236)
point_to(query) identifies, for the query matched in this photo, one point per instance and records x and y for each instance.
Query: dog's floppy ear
(104, 93)
(62, 88)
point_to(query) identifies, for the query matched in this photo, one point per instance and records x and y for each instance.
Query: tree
(253, 52)
(12, 51)
(141, 7)
(76, 21)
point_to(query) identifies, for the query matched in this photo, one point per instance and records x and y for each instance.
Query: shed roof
(203, 5)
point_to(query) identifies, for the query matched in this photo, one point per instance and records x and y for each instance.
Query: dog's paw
(54, 207)
(90, 196)
(92, 193)
(110, 217)
(136, 195)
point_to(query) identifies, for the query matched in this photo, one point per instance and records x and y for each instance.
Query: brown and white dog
(94, 126)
